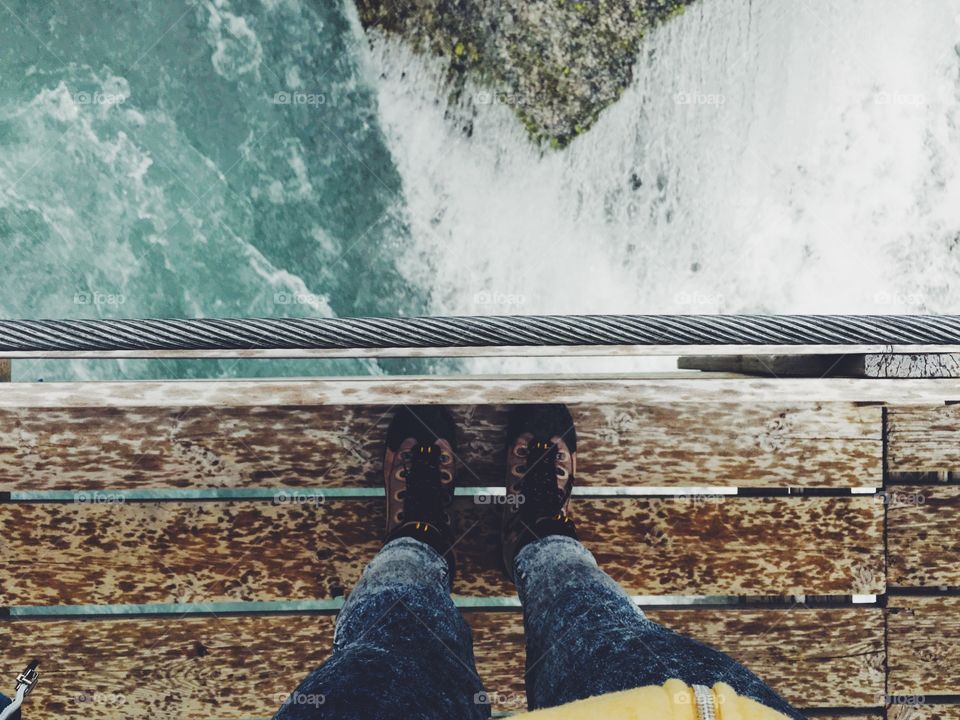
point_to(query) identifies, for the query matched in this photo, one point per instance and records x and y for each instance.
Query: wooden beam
(776, 366)
(864, 365)
(198, 667)
(895, 365)
(105, 552)
(664, 445)
(650, 388)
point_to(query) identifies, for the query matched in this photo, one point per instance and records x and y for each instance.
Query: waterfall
(769, 157)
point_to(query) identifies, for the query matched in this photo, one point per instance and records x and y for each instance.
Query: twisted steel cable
(464, 332)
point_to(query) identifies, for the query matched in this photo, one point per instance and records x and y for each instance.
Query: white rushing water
(771, 157)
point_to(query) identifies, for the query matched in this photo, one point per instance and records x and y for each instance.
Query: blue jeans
(403, 651)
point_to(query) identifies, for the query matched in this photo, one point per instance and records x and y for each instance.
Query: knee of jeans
(548, 553)
(406, 561)
(400, 613)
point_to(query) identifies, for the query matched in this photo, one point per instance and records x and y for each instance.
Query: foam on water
(155, 162)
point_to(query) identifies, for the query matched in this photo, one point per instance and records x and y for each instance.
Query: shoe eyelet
(446, 475)
(405, 455)
(519, 470)
(402, 474)
(445, 459)
(399, 516)
(521, 451)
(400, 494)
(561, 471)
(561, 456)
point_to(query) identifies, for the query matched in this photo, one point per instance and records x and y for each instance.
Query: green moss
(567, 60)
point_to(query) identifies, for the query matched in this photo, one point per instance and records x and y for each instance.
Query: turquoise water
(192, 159)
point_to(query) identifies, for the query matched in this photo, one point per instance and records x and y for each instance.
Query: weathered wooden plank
(647, 388)
(101, 552)
(924, 438)
(921, 711)
(6, 370)
(923, 536)
(777, 366)
(904, 365)
(923, 645)
(226, 667)
(866, 365)
(726, 444)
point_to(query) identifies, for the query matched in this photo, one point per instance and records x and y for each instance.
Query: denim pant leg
(401, 648)
(586, 637)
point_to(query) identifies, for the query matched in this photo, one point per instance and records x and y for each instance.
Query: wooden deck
(166, 547)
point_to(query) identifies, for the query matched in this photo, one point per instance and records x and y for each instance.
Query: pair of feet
(419, 471)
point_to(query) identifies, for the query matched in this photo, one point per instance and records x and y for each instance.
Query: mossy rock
(560, 62)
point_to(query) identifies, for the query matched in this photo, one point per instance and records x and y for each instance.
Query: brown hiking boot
(418, 477)
(541, 464)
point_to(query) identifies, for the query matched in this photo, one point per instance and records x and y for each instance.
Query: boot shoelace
(542, 497)
(425, 498)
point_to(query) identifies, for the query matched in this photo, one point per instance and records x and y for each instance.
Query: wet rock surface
(556, 63)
